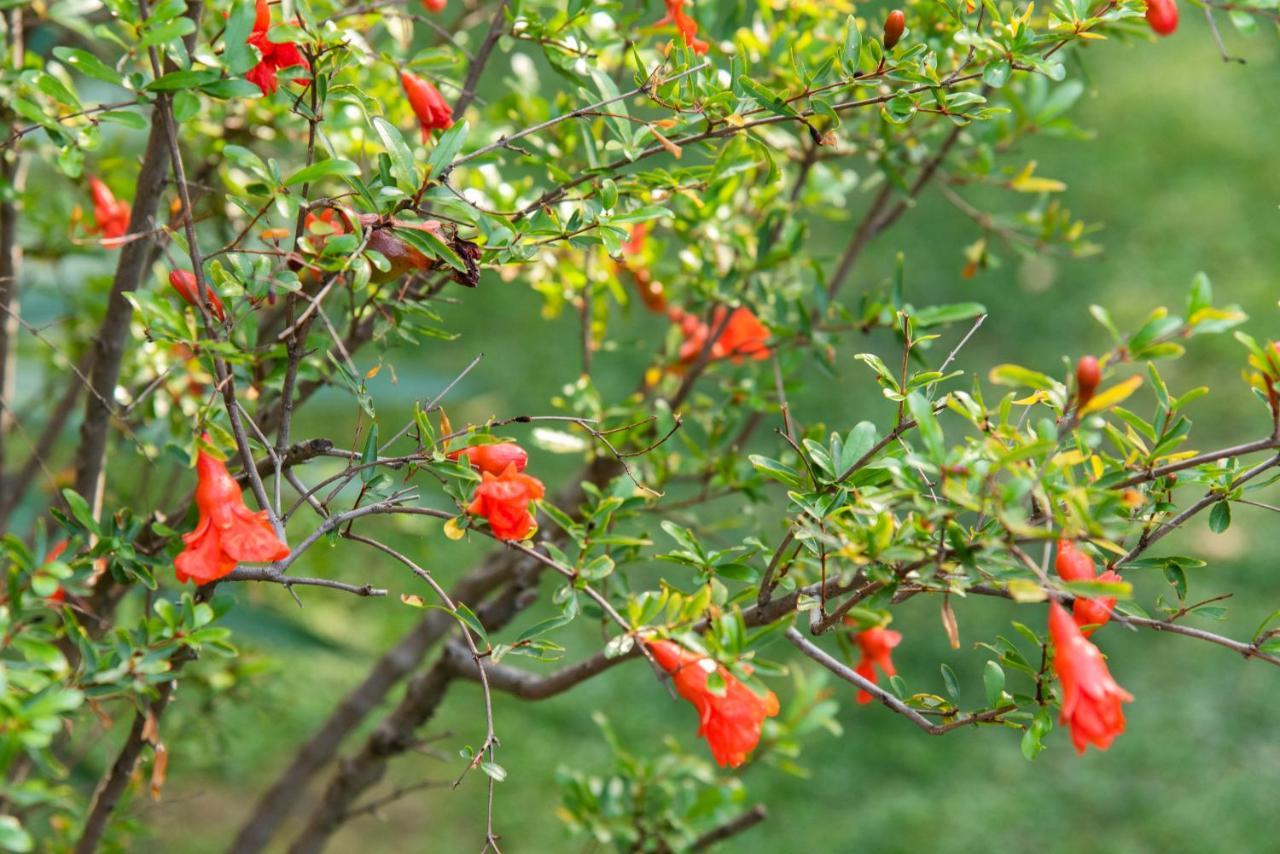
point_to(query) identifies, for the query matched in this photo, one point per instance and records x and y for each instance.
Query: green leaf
(13, 837)
(432, 246)
(927, 422)
(401, 157)
(939, 314)
(447, 148)
(766, 98)
(949, 679)
(1220, 517)
(993, 681)
(237, 56)
(852, 49)
(80, 510)
(776, 470)
(466, 616)
(368, 470)
(88, 65)
(323, 169)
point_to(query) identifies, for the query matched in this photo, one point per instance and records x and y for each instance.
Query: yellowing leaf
(1209, 313)
(1024, 590)
(1026, 182)
(453, 528)
(1069, 458)
(413, 601)
(1112, 396)
(1114, 548)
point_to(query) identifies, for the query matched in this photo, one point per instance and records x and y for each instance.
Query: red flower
(110, 215)
(1090, 697)
(494, 458)
(504, 500)
(184, 282)
(274, 56)
(227, 531)
(876, 645)
(730, 721)
(687, 26)
(1096, 612)
(1162, 16)
(428, 104)
(1073, 564)
(435, 5)
(743, 337)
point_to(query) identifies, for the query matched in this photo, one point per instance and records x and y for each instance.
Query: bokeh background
(1184, 176)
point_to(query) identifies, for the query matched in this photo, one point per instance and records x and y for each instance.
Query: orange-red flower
(687, 26)
(435, 5)
(730, 721)
(494, 458)
(110, 215)
(274, 56)
(876, 645)
(504, 500)
(227, 532)
(1091, 699)
(184, 282)
(432, 110)
(1096, 612)
(743, 337)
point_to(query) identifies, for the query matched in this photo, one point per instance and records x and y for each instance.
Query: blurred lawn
(1183, 176)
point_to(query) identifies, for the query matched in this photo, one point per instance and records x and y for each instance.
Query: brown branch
(481, 58)
(11, 176)
(733, 827)
(525, 685)
(499, 570)
(134, 261)
(113, 784)
(850, 675)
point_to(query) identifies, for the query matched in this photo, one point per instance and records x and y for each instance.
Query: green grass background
(1184, 176)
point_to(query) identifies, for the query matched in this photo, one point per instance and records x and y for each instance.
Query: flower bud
(894, 25)
(1088, 375)
(1162, 16)
(184, 282)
